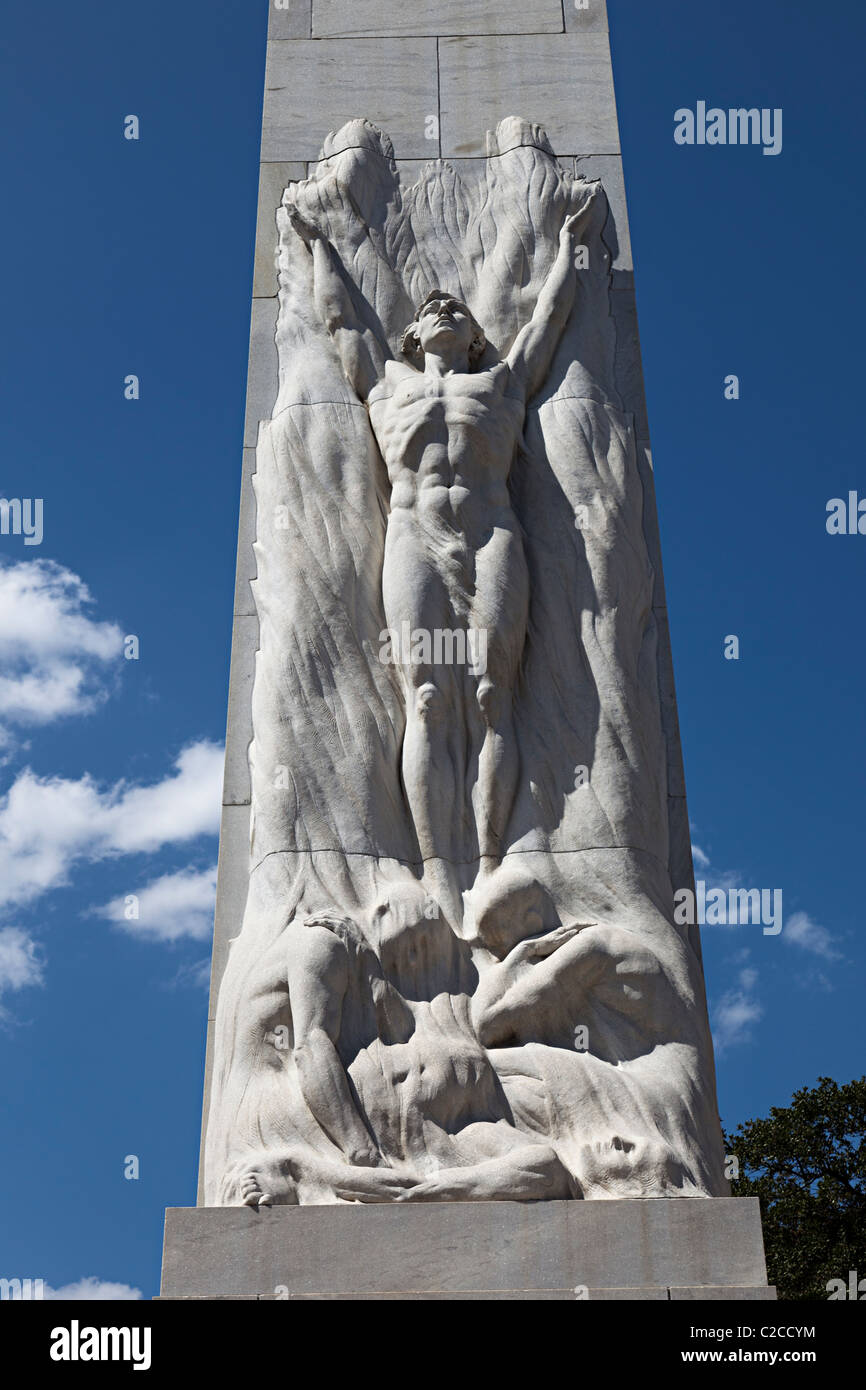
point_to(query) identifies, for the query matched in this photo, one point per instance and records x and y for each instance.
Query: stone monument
(458, 1047)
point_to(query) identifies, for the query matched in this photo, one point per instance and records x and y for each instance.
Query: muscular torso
(448, 443)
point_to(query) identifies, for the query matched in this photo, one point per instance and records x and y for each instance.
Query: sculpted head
(631, 1167)
(444, 324)
(411, 938)
(510, 908)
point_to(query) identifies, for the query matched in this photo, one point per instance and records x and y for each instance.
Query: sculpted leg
(428, 770)
(417, 604)
(499, 615)
(498, 770)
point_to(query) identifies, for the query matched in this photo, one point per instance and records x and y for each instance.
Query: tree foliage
(807, 1165)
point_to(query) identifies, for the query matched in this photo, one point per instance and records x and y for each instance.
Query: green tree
(807, 1165)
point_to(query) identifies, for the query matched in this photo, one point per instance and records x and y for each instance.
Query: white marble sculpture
(458, 974)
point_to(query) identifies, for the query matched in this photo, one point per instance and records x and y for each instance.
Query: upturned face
(446, 326)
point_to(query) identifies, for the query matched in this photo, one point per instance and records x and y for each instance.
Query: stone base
(660, 1249)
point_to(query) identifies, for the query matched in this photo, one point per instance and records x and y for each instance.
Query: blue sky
(137, 257)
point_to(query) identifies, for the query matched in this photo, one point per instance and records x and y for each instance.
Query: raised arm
(361, 352)
(603, 977)
(532, 350)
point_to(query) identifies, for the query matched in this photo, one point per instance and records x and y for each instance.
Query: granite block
(561, 81)
(370, 18)
(390, 81)
(463, 1247)
(263, 371)
(272, 180)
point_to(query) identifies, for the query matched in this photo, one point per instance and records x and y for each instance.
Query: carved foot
(261, 1180)
(299, 1176)
(252, 1193)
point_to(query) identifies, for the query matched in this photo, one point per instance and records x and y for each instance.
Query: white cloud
(20, 965)
(196, 975)
(176, 905)
(91, 1289)
(48, 824)
(736, 1011)
(55, 659)
(724, 879)
(802, 931)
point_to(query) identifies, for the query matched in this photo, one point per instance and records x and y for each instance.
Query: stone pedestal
(566, 1251)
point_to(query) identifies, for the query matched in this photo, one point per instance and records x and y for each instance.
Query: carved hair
(411, 346)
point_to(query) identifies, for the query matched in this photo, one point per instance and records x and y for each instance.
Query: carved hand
(569, 226)
(537, 947)
(305, 230)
